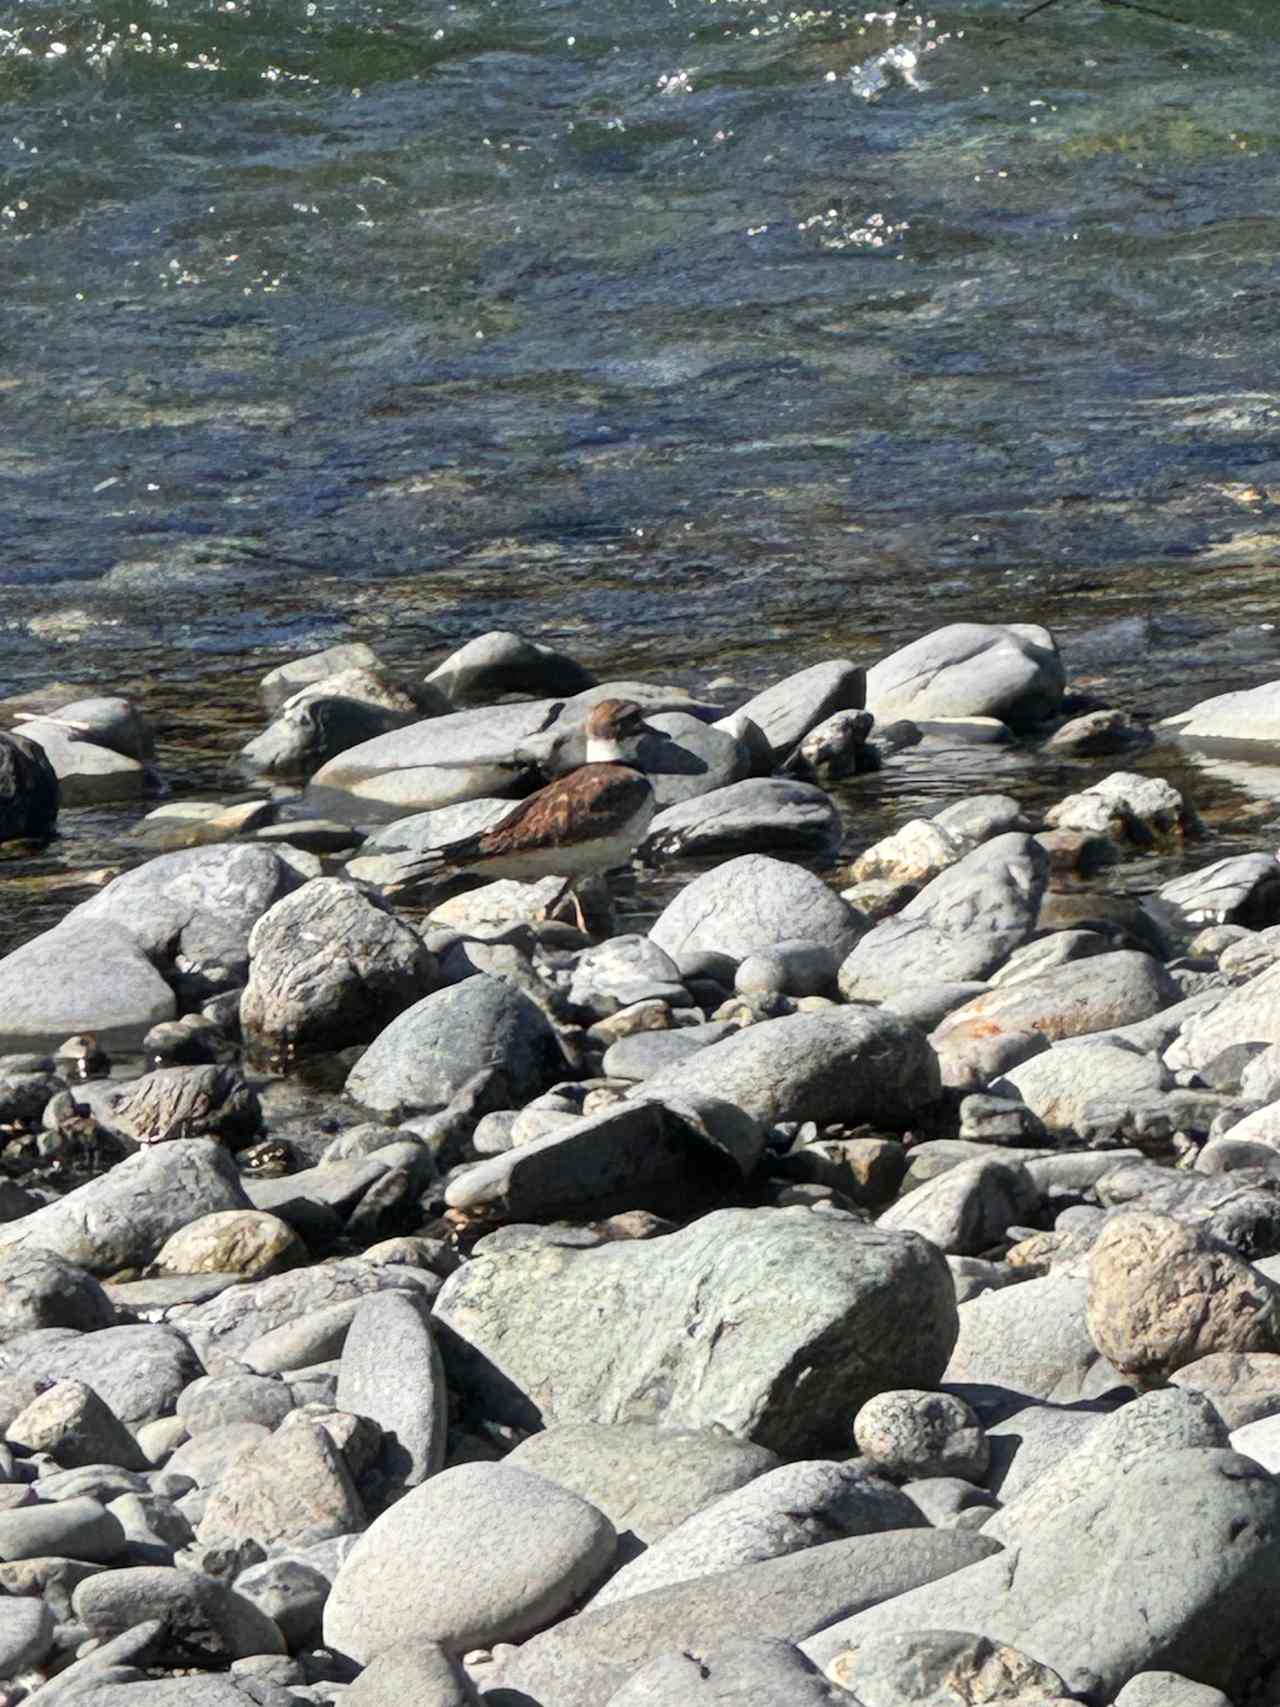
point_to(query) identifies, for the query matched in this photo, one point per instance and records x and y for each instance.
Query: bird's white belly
(602, 853)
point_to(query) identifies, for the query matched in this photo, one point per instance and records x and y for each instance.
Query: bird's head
(613, 729)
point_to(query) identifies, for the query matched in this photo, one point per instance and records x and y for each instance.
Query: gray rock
(26, 1635)
(205, 1623)
(912, 1434)
(757, 814)
(646, 1054)
(182, 1102)
(765, 1673)
(40, 1289)
(1107, 990)
(122, 1219)
(1243, 1387)
(222, 1329)
(1248, 715)
(583, 1660)
(784, 1511)
(391, 1372)
(948, 1502)
(314, 1338)
(207, 1456)
(191, 912)
(330, 966)
(1242, 888)
(1059, 1085)
(970, 669)
(499, 663)
(798, 968)
(1210, 1517)
(81, 977)
(1032, 1337)
(948, 1668)
(72, 1424)
(1099, 732)
(138, 1371)
(285, 680)
(622, 971)
(214, 1401)
(291, 1489)
(422, 831)
(705, 1337)
(967, 1209)
(961, 926)
(68, 1529)
(1248, 1014)
(647, 1480)
(415, 1670)
(684, 758)
(482, 1553)
(292, 1595)
(1168, 1689)
(88, 775)
(242, 1242)
(324, 718)
(751, 903)
(422, 1059)
(915, 854)
(1159, 1422)
(787, 711)
(846, 1064)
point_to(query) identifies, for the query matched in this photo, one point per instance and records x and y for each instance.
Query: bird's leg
(567, 889)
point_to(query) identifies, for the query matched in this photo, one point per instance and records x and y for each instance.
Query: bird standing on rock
(588, 821)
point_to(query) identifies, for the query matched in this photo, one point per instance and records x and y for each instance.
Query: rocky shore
(863, 1286)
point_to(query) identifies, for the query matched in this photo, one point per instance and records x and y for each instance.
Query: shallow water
(697, 338)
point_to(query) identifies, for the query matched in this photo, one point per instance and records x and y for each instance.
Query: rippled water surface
(695, 335)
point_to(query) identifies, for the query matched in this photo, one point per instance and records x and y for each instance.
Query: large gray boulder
(40, 1289)
(289, 678)
(787, 711)
(121, 1219)
(28, 791)
(205, 1622)
(646, 1479)
(1248, 1014)
(970, 669)
(419, 1062)
(759, 813)
(962, 925)
(751, 903)
(1032, 1337)
(137, 1369)
(81, 976)
(684, 757)
(1173, 1565)
(583, 1661)
(773, 1324)
(324, 718)
(1082, 996)
(847, 1064)
(1249, 716)
(330, 966)
(499, 663)
(1059, 1085)
(483, 1553)
(191, 912)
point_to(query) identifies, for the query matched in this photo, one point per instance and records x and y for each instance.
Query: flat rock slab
(584, 1660)
(775, 1325)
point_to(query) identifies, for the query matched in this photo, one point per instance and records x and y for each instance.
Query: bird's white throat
(603, 750)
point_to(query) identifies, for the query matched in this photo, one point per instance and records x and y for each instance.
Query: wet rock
(245, 1242)
(428, 1053)
(1247, 715)
(970, 669)
(583, 1661)
(28, 791)
(499, 663)
(1097, 733)
(1107, 990)
(757, 813)
(87, 774)
(482, 1553)
(784, 1511)
(1127, 807)
(749, 904)
(963, 925)
(907, 1433)
(324, 718)
(329, 967)
(285, 680)
(291, 1489)
(1161, 1296)
(391, 1372)
(519, 1338)
(191, 912)
(647, 1480)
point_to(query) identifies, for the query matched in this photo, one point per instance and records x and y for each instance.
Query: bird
(589, 820)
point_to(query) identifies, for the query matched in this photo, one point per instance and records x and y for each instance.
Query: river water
(695, 336)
